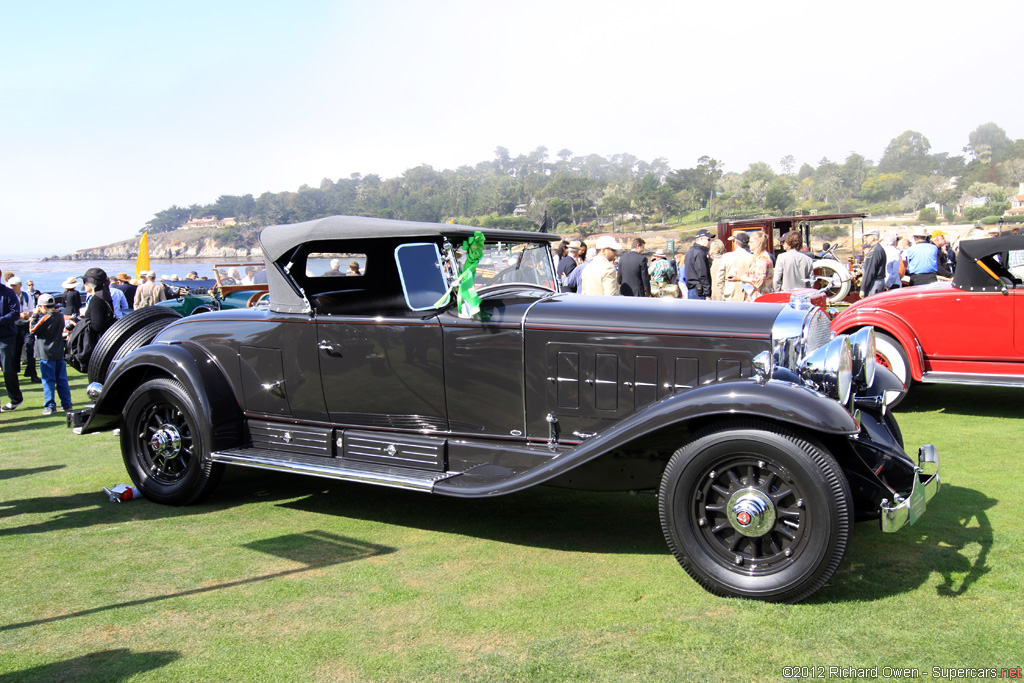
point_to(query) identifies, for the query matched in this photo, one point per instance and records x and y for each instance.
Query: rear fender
(883, 321)
(781, 402)
(207, 385)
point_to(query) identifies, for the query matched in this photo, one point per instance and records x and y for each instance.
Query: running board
(979, 379)
(333, 468)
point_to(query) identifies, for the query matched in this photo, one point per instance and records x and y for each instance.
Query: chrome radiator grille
(817, 331)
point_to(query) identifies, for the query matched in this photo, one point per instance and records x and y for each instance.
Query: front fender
(189, 364)
(884, 321)
(775, 400)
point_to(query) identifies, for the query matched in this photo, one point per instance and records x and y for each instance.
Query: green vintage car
(228, 289)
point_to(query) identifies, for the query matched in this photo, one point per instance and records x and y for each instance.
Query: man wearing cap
(734, 264)
(123, 284)
(600, 277)
(150, 292)
(47, 324)
(634, 278)
(922, 259)
(947, 257)
(873, 279)
(698, 267)
(10, 314)
(793, 268)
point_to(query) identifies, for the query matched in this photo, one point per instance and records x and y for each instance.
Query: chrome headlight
(797, 332)
(93, 391)
(863, 346)
(829, 368)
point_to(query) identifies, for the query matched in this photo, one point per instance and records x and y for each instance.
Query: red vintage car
(968, 331)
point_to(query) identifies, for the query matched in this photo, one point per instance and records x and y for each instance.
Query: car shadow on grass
(107, 665)
(14, 473)
(953, 540)
(312, 550)
(86, 509)
(543, 517)
(957, 399)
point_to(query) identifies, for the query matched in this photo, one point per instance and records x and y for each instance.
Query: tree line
(587, 193)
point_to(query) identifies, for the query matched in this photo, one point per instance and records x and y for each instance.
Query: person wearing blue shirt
(922, 260)
(121, 307)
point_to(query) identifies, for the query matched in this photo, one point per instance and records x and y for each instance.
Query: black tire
(890, 353)
(118, 333)
(164, 446)
(140, 339)
(782, 552)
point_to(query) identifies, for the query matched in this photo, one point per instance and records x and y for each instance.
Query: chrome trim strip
(366, 473)
(910, 509)
(975, 378)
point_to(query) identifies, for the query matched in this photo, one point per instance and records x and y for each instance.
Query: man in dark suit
(634, 279)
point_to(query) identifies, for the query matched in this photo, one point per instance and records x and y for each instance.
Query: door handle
(327, 346)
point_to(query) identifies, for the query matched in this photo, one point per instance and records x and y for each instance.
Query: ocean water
(48, 276)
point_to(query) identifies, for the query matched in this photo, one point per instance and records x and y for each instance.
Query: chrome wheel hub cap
(166, 442)
(751, 512)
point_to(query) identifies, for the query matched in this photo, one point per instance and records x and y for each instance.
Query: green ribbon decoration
(466, 292)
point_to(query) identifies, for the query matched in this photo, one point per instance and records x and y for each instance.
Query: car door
(381, 351)
(484, 371)
(955, 326)
(383, 371)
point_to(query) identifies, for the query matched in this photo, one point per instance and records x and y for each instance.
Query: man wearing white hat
(922, 259)
(10, 314)
(600, 276)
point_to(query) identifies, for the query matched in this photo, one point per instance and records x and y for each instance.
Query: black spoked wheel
(163, 445)
(751, 509)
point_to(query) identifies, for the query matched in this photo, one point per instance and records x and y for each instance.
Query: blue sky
(111, 111)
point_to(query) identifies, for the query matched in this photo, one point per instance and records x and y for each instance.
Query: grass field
(286, 578)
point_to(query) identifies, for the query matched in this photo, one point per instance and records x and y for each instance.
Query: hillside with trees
(588, 194)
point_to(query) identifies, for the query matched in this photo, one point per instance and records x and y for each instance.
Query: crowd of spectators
(707, 270)
(35, 326)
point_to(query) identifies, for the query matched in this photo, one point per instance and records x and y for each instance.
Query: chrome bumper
(908, 510)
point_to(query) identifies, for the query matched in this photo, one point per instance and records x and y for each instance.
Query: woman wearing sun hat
(72, 302)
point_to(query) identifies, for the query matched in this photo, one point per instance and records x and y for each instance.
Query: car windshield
(505, 262)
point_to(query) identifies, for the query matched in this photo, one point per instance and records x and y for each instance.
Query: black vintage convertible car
(448, 363)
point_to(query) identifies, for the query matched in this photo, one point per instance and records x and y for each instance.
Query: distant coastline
(175, 245)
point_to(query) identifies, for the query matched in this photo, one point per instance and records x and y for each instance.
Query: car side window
(335, 264)
(420, 269)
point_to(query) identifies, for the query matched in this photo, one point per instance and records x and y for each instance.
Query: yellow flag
(142, 262)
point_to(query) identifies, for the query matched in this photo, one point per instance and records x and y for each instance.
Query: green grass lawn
(286, 578)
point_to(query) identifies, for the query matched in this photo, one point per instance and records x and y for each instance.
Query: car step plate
(332, 468)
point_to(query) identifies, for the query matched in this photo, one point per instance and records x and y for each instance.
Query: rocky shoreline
(179, 244)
